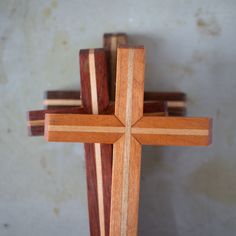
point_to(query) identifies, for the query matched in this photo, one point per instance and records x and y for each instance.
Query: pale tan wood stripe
(176, 104)
(128, 122)
(98, 160)
(113, 43)
(36, 123)
(85, 129)
(93, 82)
(62, 102)
(97, 146)
(165, 131)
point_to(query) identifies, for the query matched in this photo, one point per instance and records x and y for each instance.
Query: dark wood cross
(127, 130)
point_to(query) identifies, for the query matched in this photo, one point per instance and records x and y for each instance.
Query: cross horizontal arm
(36, 118)
(82, 128)
(173, 131)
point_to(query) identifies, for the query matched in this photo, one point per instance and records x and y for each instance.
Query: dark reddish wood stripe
(60, 107)
(66, 94)
(152, 107)
(102, 79)
(170, 96)
(176, 111)
(85, 80)
(92, 189)
(36, 130)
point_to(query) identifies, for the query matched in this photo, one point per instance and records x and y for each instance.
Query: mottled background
(190, 47)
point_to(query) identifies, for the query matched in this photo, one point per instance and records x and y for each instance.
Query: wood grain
(94, 87)
(127, 151)
(110, 43)
(82, 128)
(130, 74)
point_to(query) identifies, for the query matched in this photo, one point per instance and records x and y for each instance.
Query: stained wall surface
(190, 48)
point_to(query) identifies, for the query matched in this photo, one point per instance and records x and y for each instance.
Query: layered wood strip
(62, 99)
(176, 102)
(36, 118)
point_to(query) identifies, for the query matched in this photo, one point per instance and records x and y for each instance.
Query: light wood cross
(127, 129)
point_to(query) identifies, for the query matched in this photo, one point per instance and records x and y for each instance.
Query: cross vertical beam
(128, 109)
(98, 157)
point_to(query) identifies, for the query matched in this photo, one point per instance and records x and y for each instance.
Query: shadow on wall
(156, 214)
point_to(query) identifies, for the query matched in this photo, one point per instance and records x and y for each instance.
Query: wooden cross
(127, 129)
(98, 167)
(98, 164)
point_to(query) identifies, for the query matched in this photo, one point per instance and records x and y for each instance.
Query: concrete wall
(190, 47)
